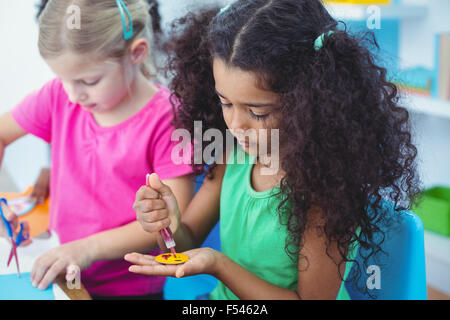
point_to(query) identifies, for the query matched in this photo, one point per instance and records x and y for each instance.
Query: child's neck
(262, 182)
(140, 93)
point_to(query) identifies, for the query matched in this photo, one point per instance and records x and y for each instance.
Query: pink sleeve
(161, 150)
(34, 113)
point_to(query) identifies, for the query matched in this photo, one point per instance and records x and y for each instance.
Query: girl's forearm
(184, 239)
(246, 285)
(115, 243)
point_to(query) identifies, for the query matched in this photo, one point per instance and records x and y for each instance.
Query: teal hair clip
(127, 33)
(318, 43)
(224, 9)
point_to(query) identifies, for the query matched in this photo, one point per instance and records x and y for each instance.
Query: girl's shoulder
(162, 104)
(163, 98)
(54, 88)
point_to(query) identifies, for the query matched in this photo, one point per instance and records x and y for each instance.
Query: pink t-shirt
(96, 172)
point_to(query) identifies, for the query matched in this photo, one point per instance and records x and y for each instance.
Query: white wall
(22, 71)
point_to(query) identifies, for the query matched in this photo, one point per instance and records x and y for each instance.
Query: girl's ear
(139, 51)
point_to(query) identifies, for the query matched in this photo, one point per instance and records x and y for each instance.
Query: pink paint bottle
(166, 233)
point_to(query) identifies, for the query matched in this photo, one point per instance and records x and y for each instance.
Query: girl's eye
(226, 105)
(253, 115)
(93, 83)
(258, 116)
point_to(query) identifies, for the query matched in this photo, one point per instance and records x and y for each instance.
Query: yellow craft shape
(169, 258)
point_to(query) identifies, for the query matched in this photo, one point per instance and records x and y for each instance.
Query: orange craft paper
(37, 218)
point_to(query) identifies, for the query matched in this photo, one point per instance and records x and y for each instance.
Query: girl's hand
(201, 261)
(67, 258)
(42, 187)
(14, 222)
(11, 217)
(156, 206)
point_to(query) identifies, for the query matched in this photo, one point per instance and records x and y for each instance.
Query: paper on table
(14, 288)
(27, 255)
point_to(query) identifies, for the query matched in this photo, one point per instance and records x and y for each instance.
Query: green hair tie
(224, 9)
(318, 43)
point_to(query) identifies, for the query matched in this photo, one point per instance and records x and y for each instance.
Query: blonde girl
(109, 124)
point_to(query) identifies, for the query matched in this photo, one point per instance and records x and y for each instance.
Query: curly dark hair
(345, 142)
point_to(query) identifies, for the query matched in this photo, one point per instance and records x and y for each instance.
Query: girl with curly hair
(345, 147)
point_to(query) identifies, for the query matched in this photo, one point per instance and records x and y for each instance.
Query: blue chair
(189, 288)
(401, 268)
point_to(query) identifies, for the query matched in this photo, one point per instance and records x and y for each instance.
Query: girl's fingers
(187, 269)
(51, 274)
(155, 226)
(140, 259)
(156, 183)
(155, 216)
(147, 265)
(39, 194)
(40, 268)
(152, 205)
(154, 270)
(146, 192)
(26, 234)
(10, 216)
(37, 274)
(180, 272)
(150, 270)
(25, 243)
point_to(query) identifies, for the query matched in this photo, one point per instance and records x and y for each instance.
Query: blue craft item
(127, 32)
(14, 288)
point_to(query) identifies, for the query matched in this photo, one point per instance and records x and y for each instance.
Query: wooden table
(73, 294)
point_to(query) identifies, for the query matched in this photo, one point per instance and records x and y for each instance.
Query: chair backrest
(399, 272)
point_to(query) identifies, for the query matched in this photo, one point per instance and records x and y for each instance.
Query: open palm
(201, 261)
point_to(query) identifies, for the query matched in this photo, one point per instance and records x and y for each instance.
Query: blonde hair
(100, 31)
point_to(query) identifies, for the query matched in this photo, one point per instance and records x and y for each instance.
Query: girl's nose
(75, 94)
(82, 98)
(238, 120)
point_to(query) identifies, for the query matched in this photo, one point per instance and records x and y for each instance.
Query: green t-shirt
(250, 230)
